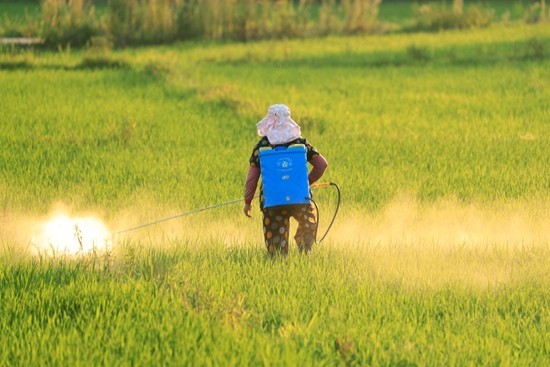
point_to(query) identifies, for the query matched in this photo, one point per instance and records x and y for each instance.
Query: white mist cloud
(70, 235)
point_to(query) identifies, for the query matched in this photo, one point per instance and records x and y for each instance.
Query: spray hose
(321, 185)
(314, 186)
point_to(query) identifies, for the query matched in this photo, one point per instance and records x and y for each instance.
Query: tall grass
(131, 22)
(70, 145)
(140, 134)
(251, 20)
(438, 17)
(138, 22)
(68, 22)
(199, 303)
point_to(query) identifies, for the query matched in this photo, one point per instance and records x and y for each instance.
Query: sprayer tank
(285, 175)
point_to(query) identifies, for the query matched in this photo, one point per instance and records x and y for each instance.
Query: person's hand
(247, 208)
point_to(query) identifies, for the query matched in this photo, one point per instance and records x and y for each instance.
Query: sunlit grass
(452, 125)
(192, 303)
(439, 256)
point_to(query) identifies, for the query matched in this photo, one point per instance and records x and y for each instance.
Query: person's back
(277, 129)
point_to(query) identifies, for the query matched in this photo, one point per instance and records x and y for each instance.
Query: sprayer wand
(181, 215)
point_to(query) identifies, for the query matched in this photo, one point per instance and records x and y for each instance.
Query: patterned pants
(276, 223)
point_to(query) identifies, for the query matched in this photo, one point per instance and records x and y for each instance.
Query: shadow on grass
(87, 63)
(533, 49)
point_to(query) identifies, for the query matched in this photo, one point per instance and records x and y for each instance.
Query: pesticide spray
(284, 183)
(65, 234)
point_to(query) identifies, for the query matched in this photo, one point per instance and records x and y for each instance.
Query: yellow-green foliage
(438, 17)
(137, 22)
(433, 117)
(133, 21)
(408, 105)
(202, 303)
(130, 22)
(68, 22)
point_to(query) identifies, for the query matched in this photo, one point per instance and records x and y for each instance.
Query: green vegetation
(143, 133)
(204, 304)
(434, 115)
(131, 22)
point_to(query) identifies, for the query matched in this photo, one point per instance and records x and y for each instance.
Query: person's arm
(319, 164)
(250, 188)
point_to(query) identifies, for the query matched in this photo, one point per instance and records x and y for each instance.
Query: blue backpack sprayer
(284, 175)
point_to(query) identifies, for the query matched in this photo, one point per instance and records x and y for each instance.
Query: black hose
(333, 217)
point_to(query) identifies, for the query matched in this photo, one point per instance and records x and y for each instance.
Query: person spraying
(280, 159)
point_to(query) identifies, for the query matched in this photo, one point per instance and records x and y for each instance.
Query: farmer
(276, 129)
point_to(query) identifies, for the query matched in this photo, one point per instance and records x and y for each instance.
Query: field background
(440, 254)
(398, 11)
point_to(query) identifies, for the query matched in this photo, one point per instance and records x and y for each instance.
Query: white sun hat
(278, 126)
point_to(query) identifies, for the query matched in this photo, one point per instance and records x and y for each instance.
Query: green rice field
(439, 255)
